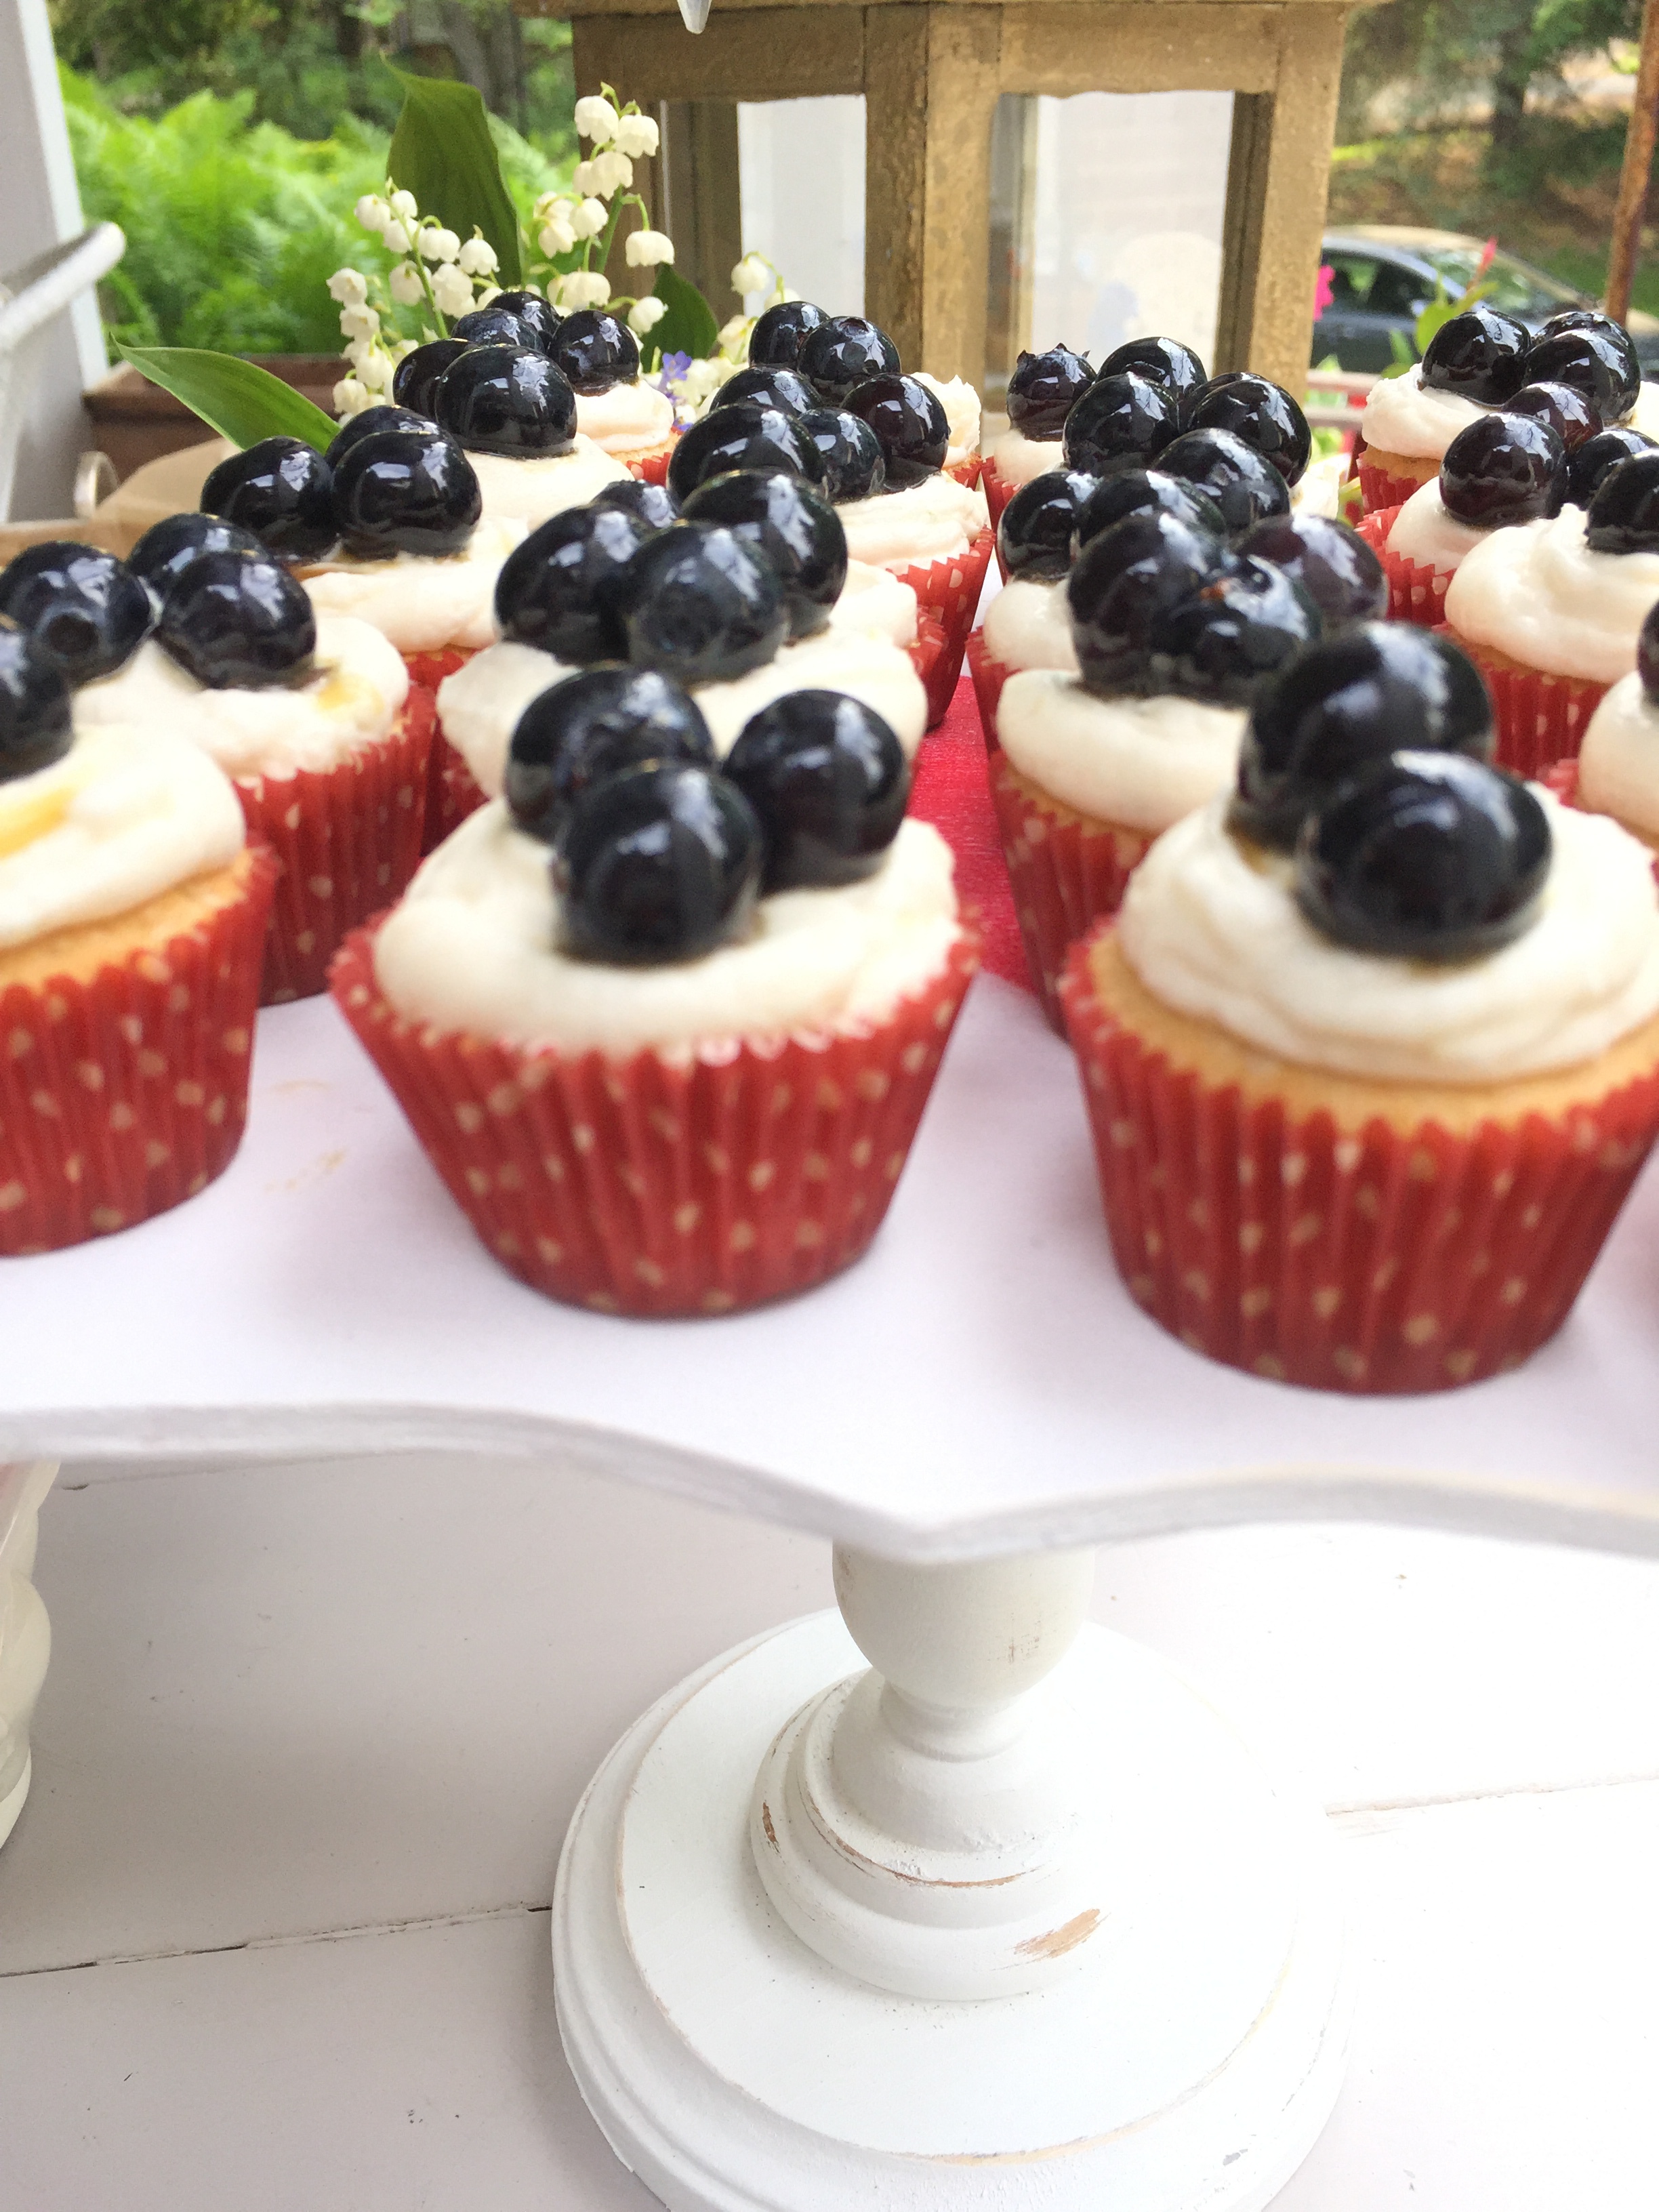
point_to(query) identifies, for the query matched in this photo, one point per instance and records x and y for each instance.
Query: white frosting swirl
(1619, 761)
(1402, 415)
(474, 946)
(875, 599)
(1030, 626)
(629, 418)
(1144, 763)
(352, 700)
(934, 520)
(126, 814)
(1426, 532)
(1216, 933)
(1021, 460)
(1536, 592)
(962, 411)
(422, 604)
(529, 491)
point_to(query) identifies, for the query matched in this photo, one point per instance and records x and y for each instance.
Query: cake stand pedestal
(1009, 1918)
(25, 1637)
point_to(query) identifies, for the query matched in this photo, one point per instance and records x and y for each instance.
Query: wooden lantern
(930, 76)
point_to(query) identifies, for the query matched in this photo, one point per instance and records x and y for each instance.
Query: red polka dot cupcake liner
(346, 840)
(1068, 871)
(1417, 591)
(969, 472)
(950, 590)
(427, 672)
(652, 468)
(126, 1093)
(927, 649)
(998, 489)
(1374, 1258)
(1389, 479)
(989, 675)
(1540, 719)
(660, 1186)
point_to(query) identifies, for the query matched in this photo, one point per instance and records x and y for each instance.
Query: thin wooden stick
(1638, 163)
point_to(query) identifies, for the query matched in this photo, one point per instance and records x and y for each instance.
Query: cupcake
(1551, 611)
(306, 712)
(1479, 360)
(514, 411)
(1617, 770)
(1041, 392)
(667, 1028)
(132, 918)
(1371, 1052)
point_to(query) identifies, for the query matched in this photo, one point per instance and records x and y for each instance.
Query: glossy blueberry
(1572, 417)
(493, 325)
(779, 335)
(842, 352)
(84, 609)
(1244, 485)
(660, 863)
(701, 605)
(1121, 422)
(35, 725)
(793, 527)
(1121, 581)
(239, 620)
(1647, 652)
(1133, 491)
(1042, 388)
(1261, 413)
(506, 399)
(910, 425)
(783, 388)
(373, 419)
(406, 491)
(850, 451)
(1334, 565)
(591, 726)
(538, 322)
(1624, 512)
(1424, 856)
(280, 490)
(1040, 524)
(557, 590)
(1218, 643)
(167, 548)
(415, 380)
(1343, 703)
(748, 436)
(1601, 363)
(652, 505)
(1504, 469)
(596, 351)
(1163, 361)
(1575, 319)
(828, 781)
(1588, 465)
(1480, 354)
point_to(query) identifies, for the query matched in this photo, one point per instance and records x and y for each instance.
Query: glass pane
(802, 167)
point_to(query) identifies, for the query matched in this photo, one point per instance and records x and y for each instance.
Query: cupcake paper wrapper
(655, 1188)
(1540, 719)
(427, 670)
(1381, 486)
(967, 472)
(124, 1095)
(652, 468)
(950, 590)
(346, 840)
(1067, 871)
(989, 675)
(1416, 591)
(998, 491)
(1384, 1261)
(458, 793)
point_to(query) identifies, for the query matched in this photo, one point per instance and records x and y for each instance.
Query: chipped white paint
(25, 1637)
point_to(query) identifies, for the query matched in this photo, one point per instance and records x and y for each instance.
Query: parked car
(1383, 275)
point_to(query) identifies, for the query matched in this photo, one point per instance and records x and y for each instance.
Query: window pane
(801, 163)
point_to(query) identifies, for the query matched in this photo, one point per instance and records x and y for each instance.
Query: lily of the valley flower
(351, 396)
(596, 119)
(636, 135)
(582, 288)
(753, 274)
(360, 322)
(609, 173)
(349, 286)
(478, 257)
(451, 290)
(433, 244)
(645, 314)
(648, 249)
(407, 288)
(396, 237)
(588, 218)
(557, 236)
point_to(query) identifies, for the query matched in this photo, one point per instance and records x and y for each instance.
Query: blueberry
(660, 863)
(779, 335)
(1599, 361)
(1588, 465)
(1121, 581)
(239, 620)
(1424, 856)
(592, 725)
(506, 399)
(909, 423)
(1572, 417)
(842, 352)
(747, 435)
(403, 491)
(784, 388)
(491, 327)
(828, 781)
(415, 380)
(35, 724)
(377, 419)
(1479, 354)
(1574, 319)
(85, 610)
(1647, 652)
(794, 528)
(1162, 361)
(557, 590)
(853, 464)
(1334, 565)
(1261, 413)
(1624, 512)
(1042, 389)
(167, 548)
(653, 506)
(1133, 491)
(1040, 522)
(538, 323)
(1352, 699)
(1504, 469)
(1244, 485)
(1120, 422)
(1220, 640)
(596, 351)
(280, 490)
(701, 605)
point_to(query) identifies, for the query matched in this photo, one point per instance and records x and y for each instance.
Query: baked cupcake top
(1619, 761)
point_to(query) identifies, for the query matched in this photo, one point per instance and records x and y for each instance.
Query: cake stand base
(1187, 2057)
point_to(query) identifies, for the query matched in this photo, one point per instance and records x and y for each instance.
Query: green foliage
(688, 327)
(240, 400)
(442, 152)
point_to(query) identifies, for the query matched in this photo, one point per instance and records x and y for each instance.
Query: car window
(1398, 291)
(1513, 289)
(1351, 277)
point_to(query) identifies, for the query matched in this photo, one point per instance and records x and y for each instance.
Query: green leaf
(241, 401)
(688, 327)
(442, 152)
